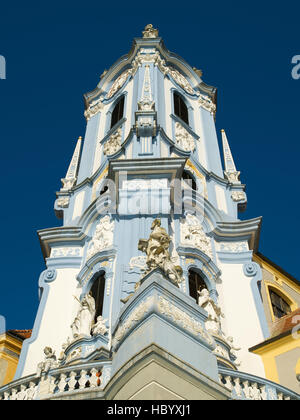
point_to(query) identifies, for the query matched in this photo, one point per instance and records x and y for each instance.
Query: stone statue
(84, 319)
(233, 348)
(150, 32)
(103, 237)
(157, 251)
(99, 327)
(63, 349)
(213, 323)
(49, 362)
(192, 234)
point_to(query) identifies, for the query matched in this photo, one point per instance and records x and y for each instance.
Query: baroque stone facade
(150, 283)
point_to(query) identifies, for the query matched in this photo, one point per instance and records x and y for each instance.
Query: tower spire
(71, 176)
(230, 170)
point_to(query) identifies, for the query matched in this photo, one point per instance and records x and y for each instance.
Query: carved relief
(94, 108)
(181, 81)
(183, 319)
(68, 183)
(132, 319)
(206, 103)
(193, 235)
(183, 138)
(63, 202)
(113, 144)
(238, 196)
(233, 246)
(66, 252)
(151, 57)
(74, 354)
(103, 237)
(99, 327)
(157, 251)
(118, 83)
(145, 184)
(139, 262)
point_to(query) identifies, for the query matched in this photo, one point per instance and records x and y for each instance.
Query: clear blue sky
(56, 51)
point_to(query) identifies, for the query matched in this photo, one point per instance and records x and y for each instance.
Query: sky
(56, 51)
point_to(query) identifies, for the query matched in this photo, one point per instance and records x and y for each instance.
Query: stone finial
(230, 170)
(198, 72)
(150, 32)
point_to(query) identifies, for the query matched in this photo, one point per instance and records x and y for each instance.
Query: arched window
(279, 305)
(190, 180)
(196, 284)
(98, 294)
(104, 189)
(180, 108)
(117, 113)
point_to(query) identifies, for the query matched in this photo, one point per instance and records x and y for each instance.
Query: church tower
(150, 289)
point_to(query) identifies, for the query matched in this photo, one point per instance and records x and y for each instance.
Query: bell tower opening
(97, 291)
(196, 284)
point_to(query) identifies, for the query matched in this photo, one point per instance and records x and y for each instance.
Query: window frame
(181, 98)
(196, 289)
(283, 298)
(99, 283)
(118, 101)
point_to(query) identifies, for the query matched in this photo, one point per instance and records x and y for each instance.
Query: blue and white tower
(150, 290)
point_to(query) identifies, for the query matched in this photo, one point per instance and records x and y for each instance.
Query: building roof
(285, 324)
(278, 268)
(281, 328)
(22, 334)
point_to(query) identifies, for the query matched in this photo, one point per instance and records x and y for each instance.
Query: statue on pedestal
(213, 323)
(82, 325)
(49, 362)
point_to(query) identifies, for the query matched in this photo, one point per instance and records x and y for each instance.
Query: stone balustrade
(249, 387)
(58, 382)
(80, 379)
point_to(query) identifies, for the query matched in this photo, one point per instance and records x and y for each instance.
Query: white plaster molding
(63, 202)
(132, 319)
(206, 103)
(181, 81)
(183, 138)
(113, 144)
(193, 235)
(103, 237)
(238, 196)
(118, 83)
(66, 252)
(183, 319)
(233, 246)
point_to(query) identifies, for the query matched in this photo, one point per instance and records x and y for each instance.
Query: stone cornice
(52, 236)
(125, 62)
(242, 228)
